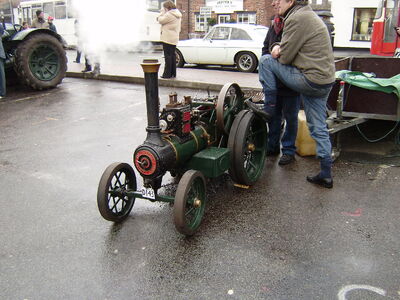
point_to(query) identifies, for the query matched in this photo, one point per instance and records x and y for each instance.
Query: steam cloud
(104, 25)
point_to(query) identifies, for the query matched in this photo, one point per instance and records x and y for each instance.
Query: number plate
(148, 193)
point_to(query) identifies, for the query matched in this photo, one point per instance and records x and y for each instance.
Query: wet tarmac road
(282, 239)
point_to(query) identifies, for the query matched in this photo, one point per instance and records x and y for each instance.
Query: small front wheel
(190, 202)
(112, 199)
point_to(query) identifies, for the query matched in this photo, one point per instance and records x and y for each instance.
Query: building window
(48, 9)
(60, 11)
(247, 18)
(222, 19)
(362, 24)
(201, 23)
(392, 17)
(154, 5)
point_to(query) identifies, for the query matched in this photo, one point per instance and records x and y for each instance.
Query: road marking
(356, 213)
(348, 288)
(31, 97)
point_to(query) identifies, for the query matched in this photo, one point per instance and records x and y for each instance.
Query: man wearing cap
(304, 62)
(52, 27)
(40, 22)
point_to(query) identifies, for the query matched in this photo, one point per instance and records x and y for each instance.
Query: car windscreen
(261, 32)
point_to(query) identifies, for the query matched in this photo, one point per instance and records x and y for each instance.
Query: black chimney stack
(150, 69)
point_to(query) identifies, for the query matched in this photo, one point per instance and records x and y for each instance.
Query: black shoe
(325, 182)
(272, 152)
(259, 112)
(86, 70)
(165, 77)
(286, 159)
(77, 61)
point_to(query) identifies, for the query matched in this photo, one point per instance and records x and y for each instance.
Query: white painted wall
(343, 13)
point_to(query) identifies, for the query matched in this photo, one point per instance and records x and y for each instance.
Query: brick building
(223, 11)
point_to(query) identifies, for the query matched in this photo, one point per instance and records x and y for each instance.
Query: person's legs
(168, 55)
(271, 69)
(315, 109)
(88, 67)
(314, 98)
(2, 79)
(290, 109)
(173, 61)
(78, 56)
(274, 130)
(269, 83)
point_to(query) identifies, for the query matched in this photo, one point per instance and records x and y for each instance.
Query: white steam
(109, 25)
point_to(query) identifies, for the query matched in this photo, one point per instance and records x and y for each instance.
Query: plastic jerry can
(305, 144)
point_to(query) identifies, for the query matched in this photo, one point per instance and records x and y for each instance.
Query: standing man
(303, 61)
(287, 104)
(170, 19)
(2, 59)
(52, 27)
(40, 22)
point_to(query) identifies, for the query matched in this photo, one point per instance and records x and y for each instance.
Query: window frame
(355, 25)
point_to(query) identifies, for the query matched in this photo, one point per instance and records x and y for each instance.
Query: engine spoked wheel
(112, 199)
(190, 202)
(247, 146)
(229, 103)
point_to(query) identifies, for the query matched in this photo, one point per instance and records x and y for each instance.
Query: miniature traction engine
(193, 139)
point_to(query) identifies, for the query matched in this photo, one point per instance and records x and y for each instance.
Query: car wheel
(246, 62)
(180, 62)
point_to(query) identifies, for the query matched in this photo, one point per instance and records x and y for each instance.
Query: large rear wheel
(247, 146)
(41, 62)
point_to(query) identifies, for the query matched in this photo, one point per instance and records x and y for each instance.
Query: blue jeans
(288, 108)
(314, 98)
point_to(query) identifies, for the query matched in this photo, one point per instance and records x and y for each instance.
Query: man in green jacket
(303, 61)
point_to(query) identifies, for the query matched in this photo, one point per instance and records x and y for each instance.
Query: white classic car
(225, 44)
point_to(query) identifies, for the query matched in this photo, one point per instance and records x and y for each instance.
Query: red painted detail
(186, 116)
(186, 128)
(145, 162)
(377, 37)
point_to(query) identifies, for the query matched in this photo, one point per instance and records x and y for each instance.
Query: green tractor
(36, 56)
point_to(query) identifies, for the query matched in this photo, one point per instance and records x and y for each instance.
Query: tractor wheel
(41, 62)
(246, 62)
(190, 202)
(248, 144)
(112, 200)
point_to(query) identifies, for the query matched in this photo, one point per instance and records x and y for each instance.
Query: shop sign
(206, 11)
(225, 6)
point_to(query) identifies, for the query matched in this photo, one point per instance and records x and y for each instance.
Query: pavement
(125, 67)
(284, 238)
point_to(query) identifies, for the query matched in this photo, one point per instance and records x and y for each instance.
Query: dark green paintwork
(212, 162)
(44, 63)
